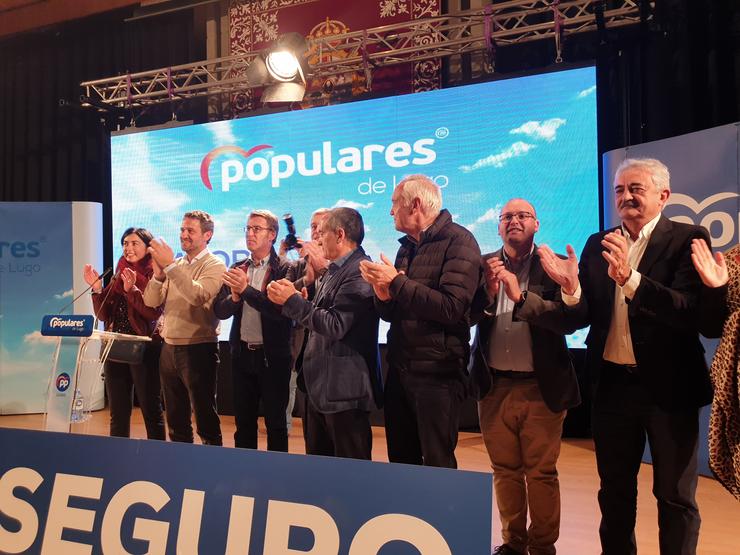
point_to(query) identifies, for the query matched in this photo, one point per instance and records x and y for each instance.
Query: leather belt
(252, 346)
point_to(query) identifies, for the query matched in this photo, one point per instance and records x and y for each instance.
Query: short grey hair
(320, 212)
(349, 220)
(658, 171)
(270, 218)
(421, 187)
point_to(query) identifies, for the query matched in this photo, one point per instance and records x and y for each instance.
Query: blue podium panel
(67, 493)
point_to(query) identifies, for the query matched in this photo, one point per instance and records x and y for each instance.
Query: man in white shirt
(638, 290)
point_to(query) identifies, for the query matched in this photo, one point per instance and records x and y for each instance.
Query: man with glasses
(525, 382)
(260, 336)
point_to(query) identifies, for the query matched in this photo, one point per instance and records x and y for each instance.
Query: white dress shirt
(618, 348)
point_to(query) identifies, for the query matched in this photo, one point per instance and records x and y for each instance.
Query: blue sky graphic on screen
(531, 137)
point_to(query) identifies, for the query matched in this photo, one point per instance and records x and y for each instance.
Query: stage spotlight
(285, 64)
(282, 65)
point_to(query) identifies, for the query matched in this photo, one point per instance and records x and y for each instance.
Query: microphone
(101, 276)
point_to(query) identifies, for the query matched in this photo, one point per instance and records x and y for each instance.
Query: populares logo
(323, 161)
(57, 322)
(62, 382)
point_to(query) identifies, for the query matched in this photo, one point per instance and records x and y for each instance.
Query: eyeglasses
(255, 229)
(521, 216)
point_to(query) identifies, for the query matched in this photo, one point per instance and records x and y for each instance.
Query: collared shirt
(195, 259)
(510, 343)
(334, 265)
(251, 325)
(618, 348)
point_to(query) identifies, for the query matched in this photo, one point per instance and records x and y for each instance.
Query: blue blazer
(340, 362)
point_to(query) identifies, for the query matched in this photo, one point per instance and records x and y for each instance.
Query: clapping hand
(281, 290)
(379, 275)
(562, 272)
(161, 252)
(616, 254)
(497, 274)
(712, 270)
(238, 280)
(92, 278)
(128, 276)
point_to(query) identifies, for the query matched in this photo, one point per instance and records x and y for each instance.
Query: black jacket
(276, 329)
(663, 315)
(553, 368)
(429, 310)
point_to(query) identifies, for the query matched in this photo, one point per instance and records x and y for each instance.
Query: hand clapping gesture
(712, 270)
(238, 280)
(562, 272)
(616, 254)
(128, 276)
(379, 275)
(91, 277)
(497, 274)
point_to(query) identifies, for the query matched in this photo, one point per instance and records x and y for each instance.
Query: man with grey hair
(638, 290)
(426, 298)
(260, 336)
(340, 364)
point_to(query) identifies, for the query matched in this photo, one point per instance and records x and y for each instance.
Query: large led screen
(532, 137)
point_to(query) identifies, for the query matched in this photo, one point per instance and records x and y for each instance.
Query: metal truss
(500, 24)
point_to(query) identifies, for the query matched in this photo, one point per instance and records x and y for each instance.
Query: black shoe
(505, 550)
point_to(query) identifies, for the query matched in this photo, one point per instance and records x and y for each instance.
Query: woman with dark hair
(720, 317)
(121, 306)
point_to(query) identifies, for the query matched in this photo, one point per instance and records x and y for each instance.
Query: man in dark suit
(340, 364)
(525, 382)
(636, 286)
(259, 337)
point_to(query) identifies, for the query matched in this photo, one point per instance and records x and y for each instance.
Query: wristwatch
(521, 301)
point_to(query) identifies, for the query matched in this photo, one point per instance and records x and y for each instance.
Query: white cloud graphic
(35, 338)
(585, 92)
(342, 203)
(141, 191)
(490, 215)
(498, 160)
(222, 133)
(68, 293)
(544, 130)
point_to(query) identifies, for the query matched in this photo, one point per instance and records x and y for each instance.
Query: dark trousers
(255, 378)
(120, 381)
(422, 415)
(344, 434)
(188, 374)
(624, 415)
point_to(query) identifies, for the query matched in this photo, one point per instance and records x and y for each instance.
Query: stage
(578, 480)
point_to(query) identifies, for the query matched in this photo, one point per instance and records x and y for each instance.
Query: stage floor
(578, 482)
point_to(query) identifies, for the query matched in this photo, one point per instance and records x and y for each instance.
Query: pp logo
(722, 221)
(63, 381)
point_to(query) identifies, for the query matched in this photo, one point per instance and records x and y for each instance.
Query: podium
(76, 375)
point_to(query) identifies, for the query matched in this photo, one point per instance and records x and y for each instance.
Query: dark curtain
(50, 152)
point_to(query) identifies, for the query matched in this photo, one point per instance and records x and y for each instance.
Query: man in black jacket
(260, 336)
(636, 286)
(426, 297)
(525, 382)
